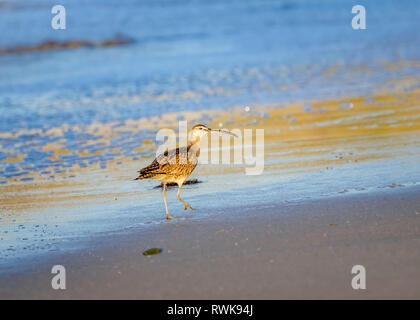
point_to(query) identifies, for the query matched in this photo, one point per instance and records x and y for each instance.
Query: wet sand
(117, 40)
(271, 251)
(81, 207)
(299, 136)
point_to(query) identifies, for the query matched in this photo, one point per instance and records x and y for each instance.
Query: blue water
(251, 46)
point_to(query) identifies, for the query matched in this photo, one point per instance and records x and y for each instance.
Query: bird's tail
(143, 176)
(147, 175)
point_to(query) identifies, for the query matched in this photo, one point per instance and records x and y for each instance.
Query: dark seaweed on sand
(152, 251)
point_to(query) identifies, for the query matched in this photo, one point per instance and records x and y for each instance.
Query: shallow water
(340, 109)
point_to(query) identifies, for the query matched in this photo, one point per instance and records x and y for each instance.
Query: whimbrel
(175, 166)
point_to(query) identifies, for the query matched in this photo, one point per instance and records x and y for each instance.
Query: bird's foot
(187, 205)
(168, 217)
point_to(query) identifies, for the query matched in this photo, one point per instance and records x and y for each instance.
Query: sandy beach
(274, 251)
(321, 206)
(332, 111)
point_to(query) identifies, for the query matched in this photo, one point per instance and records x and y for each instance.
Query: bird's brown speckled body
(175, 166)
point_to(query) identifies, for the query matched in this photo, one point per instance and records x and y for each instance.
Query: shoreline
(272, 250)
(324, 173)
(34, 236)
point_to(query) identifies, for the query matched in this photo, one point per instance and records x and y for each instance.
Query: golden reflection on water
(299, 136)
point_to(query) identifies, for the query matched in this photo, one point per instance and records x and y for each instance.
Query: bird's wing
(169, 157)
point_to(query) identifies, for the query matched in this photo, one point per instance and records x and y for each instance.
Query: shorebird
(175, 166)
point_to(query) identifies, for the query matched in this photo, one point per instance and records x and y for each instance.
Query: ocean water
(193, 56)
(187, 55)
(249, 47)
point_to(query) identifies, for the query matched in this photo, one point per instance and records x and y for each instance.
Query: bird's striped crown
(200, 126)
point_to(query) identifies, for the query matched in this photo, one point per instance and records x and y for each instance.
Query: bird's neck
(194, 141)
(194, 146)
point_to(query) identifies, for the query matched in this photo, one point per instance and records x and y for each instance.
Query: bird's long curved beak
(223, 131)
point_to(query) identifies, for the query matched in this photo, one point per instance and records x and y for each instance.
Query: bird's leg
(168, 216)
(186, 204)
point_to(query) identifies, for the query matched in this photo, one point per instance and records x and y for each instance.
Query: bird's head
(200, 130)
